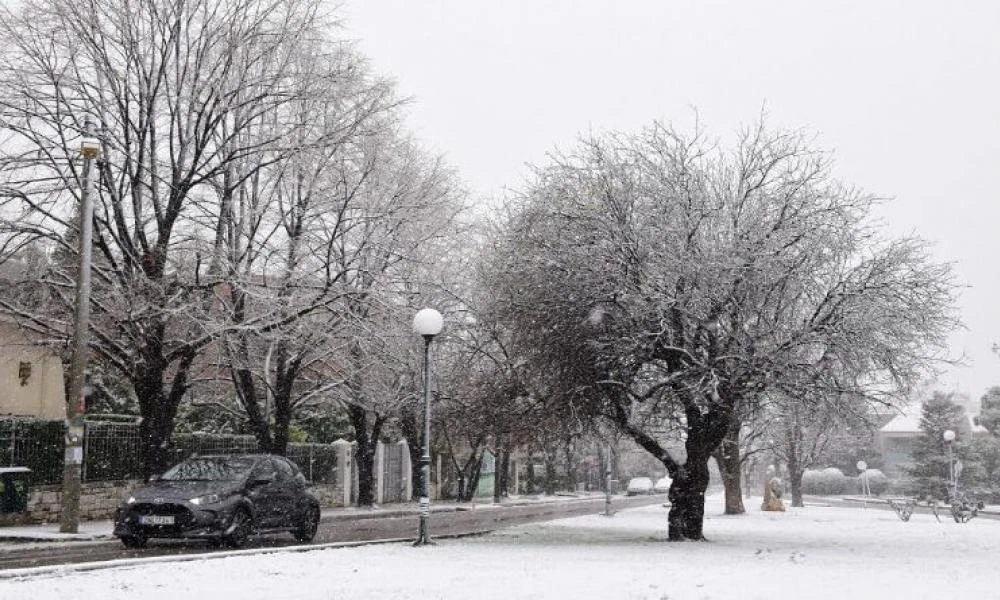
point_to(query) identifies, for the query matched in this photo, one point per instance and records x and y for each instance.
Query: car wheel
(306, 530)
(239, 530)
(134, 541)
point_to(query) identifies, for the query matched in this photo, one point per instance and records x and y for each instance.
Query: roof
(909, 422)
(904, 423)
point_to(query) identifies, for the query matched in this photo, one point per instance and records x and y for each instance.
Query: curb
(63, 569)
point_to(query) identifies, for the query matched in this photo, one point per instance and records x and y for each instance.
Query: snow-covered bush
(825, 482)
(878, 483)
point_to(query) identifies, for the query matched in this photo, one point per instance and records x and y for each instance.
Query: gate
(393, 482)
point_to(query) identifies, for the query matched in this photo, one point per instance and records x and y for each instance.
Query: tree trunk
(287, 372)
(500, 480)
(476, 470)
(687, 492)
(687, 500)
(550, 471)
(367, 442)
(530, 485)
(159, 409)
(410, 428)
(727, 456)
(571, 470)
(795, 468)
(155, 430)
(795, 481)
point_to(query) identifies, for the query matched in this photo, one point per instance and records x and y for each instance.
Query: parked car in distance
(639, 485)
(223, 499)
(662, 485)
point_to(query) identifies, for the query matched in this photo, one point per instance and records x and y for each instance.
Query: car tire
(239, 529)
(134, 541)
(307, 528)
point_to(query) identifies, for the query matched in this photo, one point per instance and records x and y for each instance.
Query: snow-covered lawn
(806, 554)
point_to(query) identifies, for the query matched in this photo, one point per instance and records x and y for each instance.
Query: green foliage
(878, 483)
(851, 443)
(989, 412)
(825, 482)
(930, 473)
(324, 426)
(980, 474)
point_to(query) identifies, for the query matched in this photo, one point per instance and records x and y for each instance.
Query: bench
(962, 509)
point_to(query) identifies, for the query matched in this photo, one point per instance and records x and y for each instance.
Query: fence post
(343, 449)
(406, 467)
(379, 473)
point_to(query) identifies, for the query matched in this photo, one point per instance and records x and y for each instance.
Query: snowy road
(346, 528)
(814, 553)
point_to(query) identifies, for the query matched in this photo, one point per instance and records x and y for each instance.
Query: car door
(264, 491)
(287, 509)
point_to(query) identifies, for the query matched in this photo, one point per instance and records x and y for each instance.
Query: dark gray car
(223, 499)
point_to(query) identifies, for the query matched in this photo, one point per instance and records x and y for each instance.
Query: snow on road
(807, 553)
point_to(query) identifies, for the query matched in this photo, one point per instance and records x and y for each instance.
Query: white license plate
(156, 519)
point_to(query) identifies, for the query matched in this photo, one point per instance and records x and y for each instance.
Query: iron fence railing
(112, 450)
(38, 445)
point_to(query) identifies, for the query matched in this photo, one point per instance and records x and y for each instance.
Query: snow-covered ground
(812, 553)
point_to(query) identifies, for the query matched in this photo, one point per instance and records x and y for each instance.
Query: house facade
(31, 377)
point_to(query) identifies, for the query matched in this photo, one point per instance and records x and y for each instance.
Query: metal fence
(38, 445)
(112, 450)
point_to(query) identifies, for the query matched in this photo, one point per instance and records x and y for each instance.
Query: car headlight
(206, 499)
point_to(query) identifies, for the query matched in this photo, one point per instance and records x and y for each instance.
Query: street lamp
(69, 517)
(863, 468)
(428, 323)
(949, 437)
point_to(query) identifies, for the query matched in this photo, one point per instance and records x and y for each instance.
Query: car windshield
(210, 468)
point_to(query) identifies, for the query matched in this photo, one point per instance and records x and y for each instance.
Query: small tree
(930, 470)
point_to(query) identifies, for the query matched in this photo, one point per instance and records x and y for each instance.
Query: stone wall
(98, 500)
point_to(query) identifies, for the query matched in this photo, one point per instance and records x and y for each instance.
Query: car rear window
(210, 469)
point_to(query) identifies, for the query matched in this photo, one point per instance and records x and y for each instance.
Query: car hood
(171, 491)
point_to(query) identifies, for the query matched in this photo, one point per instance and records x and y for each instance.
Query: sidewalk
(89, 531)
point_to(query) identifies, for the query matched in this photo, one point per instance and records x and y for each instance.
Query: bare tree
(187, 95)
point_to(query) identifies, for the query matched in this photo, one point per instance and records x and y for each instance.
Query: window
(285, 472)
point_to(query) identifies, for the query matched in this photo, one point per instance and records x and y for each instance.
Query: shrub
(878, 483)
(824, 482)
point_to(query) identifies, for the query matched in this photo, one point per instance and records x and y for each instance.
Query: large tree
(665, 285)
(191, 99)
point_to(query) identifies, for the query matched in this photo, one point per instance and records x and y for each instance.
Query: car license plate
(156, 520)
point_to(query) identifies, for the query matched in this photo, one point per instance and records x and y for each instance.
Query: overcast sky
(906, 93)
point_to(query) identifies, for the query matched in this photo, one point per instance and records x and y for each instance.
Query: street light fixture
(863, 468)
(428, 323)
(949, 437)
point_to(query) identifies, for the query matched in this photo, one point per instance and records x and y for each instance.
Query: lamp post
(863, 468)
(949, 437)
(428, 323)
(69, 517)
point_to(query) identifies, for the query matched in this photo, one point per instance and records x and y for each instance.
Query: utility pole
(69, 518)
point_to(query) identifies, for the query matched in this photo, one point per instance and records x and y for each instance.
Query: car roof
(251, 456)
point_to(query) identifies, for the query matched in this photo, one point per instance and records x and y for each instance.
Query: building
(31, 377)
(896, 438)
